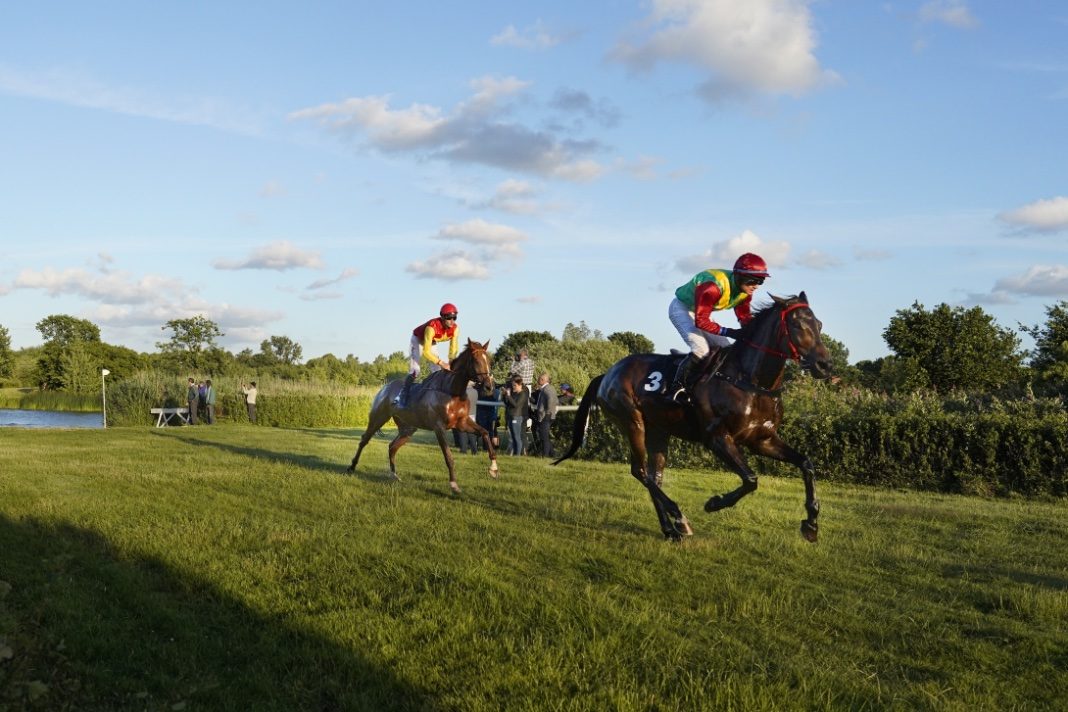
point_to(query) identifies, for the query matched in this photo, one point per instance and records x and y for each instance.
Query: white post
(104, 395)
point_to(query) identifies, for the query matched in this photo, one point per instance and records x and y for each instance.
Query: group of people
(532, 407)
(200, 399)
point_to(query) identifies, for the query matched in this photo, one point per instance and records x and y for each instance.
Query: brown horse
(438, 404)
(734, 404)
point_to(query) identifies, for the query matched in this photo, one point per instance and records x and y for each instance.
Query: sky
(334, 172)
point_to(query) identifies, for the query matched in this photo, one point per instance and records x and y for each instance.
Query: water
(49, 419)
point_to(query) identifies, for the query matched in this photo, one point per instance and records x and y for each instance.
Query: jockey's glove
(728, 332)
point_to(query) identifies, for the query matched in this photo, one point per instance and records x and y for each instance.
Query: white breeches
(415, 357)
(698, 340)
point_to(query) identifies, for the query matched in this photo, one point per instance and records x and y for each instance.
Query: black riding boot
(679, 386)
(402, 398)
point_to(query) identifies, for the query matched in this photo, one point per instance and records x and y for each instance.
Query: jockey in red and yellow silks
(709, 291)
(421, 346)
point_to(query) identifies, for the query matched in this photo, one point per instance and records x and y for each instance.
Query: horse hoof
(454, 487)
(682, 526)
(714, 504)
(809, 530)
(350, 469)
(494, 470)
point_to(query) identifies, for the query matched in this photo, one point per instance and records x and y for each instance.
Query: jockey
(421, 346)
(709, 291)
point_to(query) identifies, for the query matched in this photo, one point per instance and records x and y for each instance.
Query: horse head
(474, 364)
(803, 335)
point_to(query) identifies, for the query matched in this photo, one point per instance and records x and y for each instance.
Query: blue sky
(333, 172)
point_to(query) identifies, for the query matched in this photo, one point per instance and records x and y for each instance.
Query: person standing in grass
(192, 400)
(249, 392)
(209, 401)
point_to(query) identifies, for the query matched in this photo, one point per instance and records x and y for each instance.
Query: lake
(48, 419)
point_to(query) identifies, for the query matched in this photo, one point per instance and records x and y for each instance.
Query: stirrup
(680, 395)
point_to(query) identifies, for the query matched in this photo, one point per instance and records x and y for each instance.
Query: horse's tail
(582, 417)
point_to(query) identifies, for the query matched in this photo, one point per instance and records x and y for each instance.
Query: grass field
(239, 568)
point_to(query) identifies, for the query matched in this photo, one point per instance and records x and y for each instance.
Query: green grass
(32, 399)
(239, 568)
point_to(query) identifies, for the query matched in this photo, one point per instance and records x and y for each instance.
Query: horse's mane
(765, 312)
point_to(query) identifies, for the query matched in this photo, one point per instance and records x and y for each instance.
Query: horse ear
(778, 300)
(485, 346)
(802, 297)
(471, 343)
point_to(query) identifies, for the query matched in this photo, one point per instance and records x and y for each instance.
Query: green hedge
(977, 453)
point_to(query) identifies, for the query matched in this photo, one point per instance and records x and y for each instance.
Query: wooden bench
(167, 416)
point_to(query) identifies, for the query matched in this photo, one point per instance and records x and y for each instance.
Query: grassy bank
(239, 568)
(33, 399)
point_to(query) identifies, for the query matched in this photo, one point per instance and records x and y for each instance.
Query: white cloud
(1038, 281)
(816, 259)
(529, 300)
(77, 88)
(278, 256)
(316, 296)
(109, 288)
(514, 196)
(346, 274)
(475, 132)
(536, 36)
(723, 254)
(1041, 216)
(272, 189)
(499, 240)
(449, 266)
(954, 13)
(754, 46)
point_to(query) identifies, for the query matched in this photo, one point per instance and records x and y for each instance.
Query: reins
(784, 331)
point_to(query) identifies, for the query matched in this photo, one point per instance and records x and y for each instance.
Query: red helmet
(751, 265)
(447, 308)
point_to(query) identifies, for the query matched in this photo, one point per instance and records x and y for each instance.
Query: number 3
(655, 377)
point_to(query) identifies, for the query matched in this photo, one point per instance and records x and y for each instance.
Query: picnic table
(167, 416)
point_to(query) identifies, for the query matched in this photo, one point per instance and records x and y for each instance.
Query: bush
(976, 445)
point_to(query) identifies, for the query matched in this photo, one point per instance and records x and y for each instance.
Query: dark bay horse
(735, 404)
(438, 404)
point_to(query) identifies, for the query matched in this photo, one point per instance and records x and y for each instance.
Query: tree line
(943, 349)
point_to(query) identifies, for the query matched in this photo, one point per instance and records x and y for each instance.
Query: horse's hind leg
(404, 434)
(673, 525)
(376, 421)
(654, 479)
(775, 448)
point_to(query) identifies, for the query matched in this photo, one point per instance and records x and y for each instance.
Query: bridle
(784, 330)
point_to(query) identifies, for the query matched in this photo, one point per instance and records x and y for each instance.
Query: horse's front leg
(724, 446)
(404, 434)
(439, 432)
(775, 448)
(471, 426)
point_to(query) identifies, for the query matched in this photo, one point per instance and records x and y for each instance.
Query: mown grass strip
(241, 568)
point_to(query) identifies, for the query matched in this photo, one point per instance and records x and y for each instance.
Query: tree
(1050, 357)
(7, 359)
(62, 333)
(633, 342)
(281, 349)
(954, 347)
(580, 333)
(191, 339)
(520, 340)
(63, 329)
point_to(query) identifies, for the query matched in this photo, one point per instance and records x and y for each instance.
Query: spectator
(192, 398)
(523, 367)
(545, 412)
(468, 442)
(567, 395)
(209, 401)
(516, 402)
(488, 417)
(249, 392)
(202, 397)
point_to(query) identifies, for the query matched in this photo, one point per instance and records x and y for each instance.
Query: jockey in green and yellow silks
(710, 291)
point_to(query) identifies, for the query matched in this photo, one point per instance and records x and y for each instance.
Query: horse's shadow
(122, 630)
